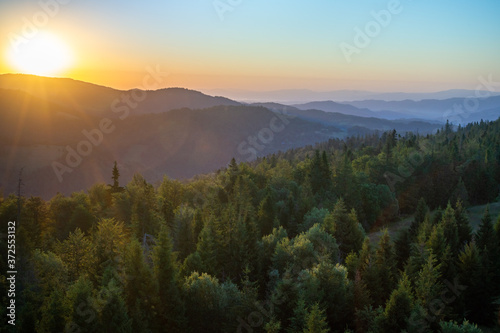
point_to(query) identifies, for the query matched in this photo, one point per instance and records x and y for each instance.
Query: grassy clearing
(475, 214)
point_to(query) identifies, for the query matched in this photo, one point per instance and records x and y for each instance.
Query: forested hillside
(52, 128)
(275, 245)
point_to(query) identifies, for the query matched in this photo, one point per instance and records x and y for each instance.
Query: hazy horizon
(384, 46)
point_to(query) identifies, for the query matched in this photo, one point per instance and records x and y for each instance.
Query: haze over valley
(250, 166)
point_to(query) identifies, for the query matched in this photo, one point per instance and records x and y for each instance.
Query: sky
(407, 45)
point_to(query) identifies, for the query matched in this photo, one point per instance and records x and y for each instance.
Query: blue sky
(259, 45)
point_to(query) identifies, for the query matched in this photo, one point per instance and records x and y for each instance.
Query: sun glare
(44, 54)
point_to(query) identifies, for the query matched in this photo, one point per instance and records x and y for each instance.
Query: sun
(44, 54)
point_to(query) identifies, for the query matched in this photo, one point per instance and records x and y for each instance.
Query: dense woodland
(276, 245)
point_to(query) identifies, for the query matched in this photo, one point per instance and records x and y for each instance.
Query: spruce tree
(463, 225)
(398, 308)
(316, 321)
(170, 305)
(485, 235)
(83, 315)
(418, 219)
(471, 295)
(384, 270)
(266, 215)
(54, 313)
(113, 314)
(428, 287)
(450, 229)
(348, 232)
(116, 178)
(138, 288)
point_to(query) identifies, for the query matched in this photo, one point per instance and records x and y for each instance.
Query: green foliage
(316, 321)
(428, 287)
(170, 305)
(328, 285)
(138, 288)
(382, 277)
(269, 243)
(77, 254)
(83, 314)
(113, 315)
(348, 232)
(53, 313)
(398, 308)
(312, 217)
(453, 327)
(463, 226)
(207, 298)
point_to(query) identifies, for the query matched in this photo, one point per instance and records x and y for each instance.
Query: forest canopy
(276, 245)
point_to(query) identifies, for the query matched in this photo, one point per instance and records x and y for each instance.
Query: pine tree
(116, 180)
(113, 314)
(489, 253)
(420, 213)
(266, 215)
(83, 315)
(348, 232)
(472, 296)
(300, 314)
(170, 307)
(398, 308)
(145, 209)
(402, 246)
(450, 229)
(453, 327)
(204, 300)
(384, 270)
(437, 244)
(76, 252)
(319, 174)
(53, 313)
(138, 289)
(233, 173)
(108, 241)
(463, 225)
(316, 321)
(428, 287)
(206, 248)
(485, 235)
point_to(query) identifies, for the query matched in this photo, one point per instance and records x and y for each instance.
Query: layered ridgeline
(276, 245)
(66, 134)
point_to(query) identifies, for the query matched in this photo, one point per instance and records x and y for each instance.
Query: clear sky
(425, 45)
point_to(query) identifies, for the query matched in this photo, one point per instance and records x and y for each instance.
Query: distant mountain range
(330, 106)
(66, 134)
(300, 96)
(457, 110)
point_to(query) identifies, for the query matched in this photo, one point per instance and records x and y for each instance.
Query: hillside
(287, 225)
(175, 132)
(180, 143)
(102, 101)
